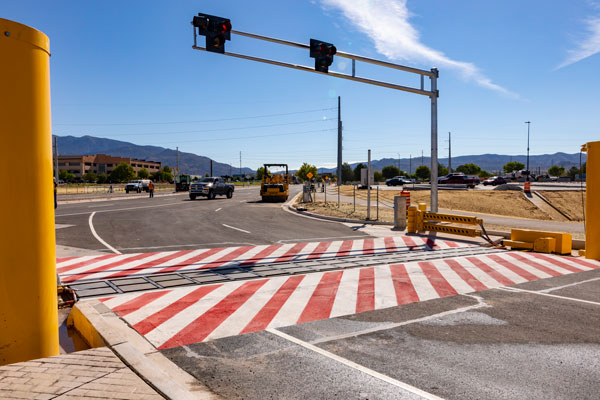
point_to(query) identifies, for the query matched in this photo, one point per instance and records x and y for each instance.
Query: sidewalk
(89, 374)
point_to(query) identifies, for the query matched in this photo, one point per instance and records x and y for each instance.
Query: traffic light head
(323, 53)
(216, 29)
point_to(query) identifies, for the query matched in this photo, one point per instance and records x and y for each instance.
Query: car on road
(210, 187)
(399, 180)
(494, 180)
(137, 185)
(459, 179)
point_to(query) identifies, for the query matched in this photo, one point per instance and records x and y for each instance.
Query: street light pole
(528, 123)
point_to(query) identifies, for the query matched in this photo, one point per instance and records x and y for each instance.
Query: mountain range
(189, 163)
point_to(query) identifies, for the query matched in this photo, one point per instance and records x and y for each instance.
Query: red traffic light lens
(225, 27)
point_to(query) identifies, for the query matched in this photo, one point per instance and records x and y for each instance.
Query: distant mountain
(189, 163)
(488, 162)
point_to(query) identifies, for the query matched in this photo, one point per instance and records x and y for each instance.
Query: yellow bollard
(592, 198)
(28, 295)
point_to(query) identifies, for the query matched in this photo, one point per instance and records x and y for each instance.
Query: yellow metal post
(28, 301)
(592, 199)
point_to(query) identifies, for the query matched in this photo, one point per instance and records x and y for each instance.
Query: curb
(110, 198)
(100, 327)
(327, 218)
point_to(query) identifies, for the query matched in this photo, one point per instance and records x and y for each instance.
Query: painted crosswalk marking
(181, 316)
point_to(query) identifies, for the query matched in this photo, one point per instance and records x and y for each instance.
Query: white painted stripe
(379, 244)
(385, 293)
(566, 286)
(422, 286)
(567, 260)
(357, 248)
(545, 263)
(513, 276)
(358, 367)
(305, 252)
(237, 321)
(76, 260)
(481, 276)
(108, 246)
(84, 269)
(275, 255)
(452, 277)
(219, 209)
(295, 304)
(123, 267)
(181, 320)
(237, 229)
(345, 299)
(514, 289)
(532, 270)
(205, 261)
(120, 299)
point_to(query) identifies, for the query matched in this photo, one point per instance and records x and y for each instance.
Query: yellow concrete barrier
(563, 241)
(28, 298)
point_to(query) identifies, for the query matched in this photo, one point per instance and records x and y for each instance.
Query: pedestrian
(151, 189)
(55, 202)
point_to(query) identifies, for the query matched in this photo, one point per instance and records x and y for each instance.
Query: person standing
(55, 202)
(151, 189)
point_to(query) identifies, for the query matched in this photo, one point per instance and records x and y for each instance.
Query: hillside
(189, 163)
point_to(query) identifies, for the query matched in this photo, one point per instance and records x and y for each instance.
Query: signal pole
(449, 152)
(339, 155)
(177, 162)
(240, 163)
(369, 187)
(56, 160)
(528, 123)
(211, 171)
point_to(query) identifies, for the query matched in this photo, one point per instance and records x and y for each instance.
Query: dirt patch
(348, 211)
(504, 203)
(569, 202)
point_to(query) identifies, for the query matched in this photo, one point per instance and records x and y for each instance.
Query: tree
(167, 169)
(391, 171)
(259, 173)
(573, 171)
(468, 169)
(143, 173)
(442, 170)
(357, 171)
(584, 168)
(555, 170)
(122, 173)
(484, 174)
(304, 170)
(378, 176)
(513, 166)
(90, 177)
(347, 174)
(166, 174)
(65, 175)
(423, 173)
(102, 178)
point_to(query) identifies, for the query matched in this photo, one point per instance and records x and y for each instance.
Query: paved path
(89, 374)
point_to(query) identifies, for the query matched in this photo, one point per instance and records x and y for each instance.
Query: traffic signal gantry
(216, 29)
(323, 53)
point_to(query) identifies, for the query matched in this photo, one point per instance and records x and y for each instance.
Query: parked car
(399, 180)
(494, 180)
(459, 179)
(134, 186)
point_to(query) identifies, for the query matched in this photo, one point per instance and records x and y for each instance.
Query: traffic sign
(309, 175)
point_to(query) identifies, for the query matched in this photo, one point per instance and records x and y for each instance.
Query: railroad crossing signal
(323, 53)
(216, 29)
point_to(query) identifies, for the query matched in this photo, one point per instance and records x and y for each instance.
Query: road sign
(309, 175)
(326, 178)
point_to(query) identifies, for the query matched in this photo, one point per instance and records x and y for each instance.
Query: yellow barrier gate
(420, 220)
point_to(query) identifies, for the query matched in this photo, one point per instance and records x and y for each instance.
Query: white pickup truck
(137, 185)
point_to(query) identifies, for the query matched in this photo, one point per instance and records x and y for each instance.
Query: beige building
(102, 164)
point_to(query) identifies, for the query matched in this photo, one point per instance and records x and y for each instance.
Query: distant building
(102, 164)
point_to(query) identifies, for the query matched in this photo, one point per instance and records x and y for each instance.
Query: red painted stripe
(319, 251)
(320, 303)
(412, 245)
(202, 326)
(450, 243)
(365, 300)
(267, 251)
(63, 259)
(228, 257)
(405, 291)
(105, 299)
(431, 244)
(439, 283)
(533, 264)
(466, 275)
(138, 302)
(192, 260)
(291, 253)
(514, 268)
(150, 264)
(390, 245)
(147, 325)
(556, 262)
(583, 262)
(490, 271)
(85, 263)
(105, 267)
(266, 314)
(368, 246)
(345, 248)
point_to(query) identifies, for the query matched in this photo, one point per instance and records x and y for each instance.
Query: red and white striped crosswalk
(111, 266)
(186, 315)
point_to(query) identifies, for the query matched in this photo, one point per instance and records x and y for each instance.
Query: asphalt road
(177, 223)
(540, 341)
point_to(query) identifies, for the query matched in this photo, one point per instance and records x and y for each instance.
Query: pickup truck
(137, 185)
(459, 179)
(210, 187)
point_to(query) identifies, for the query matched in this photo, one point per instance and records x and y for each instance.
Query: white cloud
(387, 23)
(588, 45)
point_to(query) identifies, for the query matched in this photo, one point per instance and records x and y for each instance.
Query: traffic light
(216, 29)
(322, 53)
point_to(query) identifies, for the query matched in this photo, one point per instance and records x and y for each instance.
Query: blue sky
(125, 70)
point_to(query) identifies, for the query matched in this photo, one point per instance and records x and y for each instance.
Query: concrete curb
(100, 327)
(111, 198)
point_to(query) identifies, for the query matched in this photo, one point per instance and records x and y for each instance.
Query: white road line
(566, 286)
(219, 209)
(358, 367)
(120, 209)
(108, 246)
(513, 289)
(233, 227)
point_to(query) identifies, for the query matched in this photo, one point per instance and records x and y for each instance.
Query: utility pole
(240, 163)
(339, 155)
(177, 162)
(211, 172)
(369, 188)
(422, 162)
(398, 163)
(449, 152)
(528, 124)
(56, 160)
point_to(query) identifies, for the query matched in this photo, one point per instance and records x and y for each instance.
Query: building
(102, 164)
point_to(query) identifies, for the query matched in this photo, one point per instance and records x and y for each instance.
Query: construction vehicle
(182, 183)
(275, 187)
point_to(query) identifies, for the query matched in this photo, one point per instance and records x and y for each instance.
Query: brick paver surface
(89, 374)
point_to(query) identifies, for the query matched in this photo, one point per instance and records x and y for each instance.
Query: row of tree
(121, 173)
